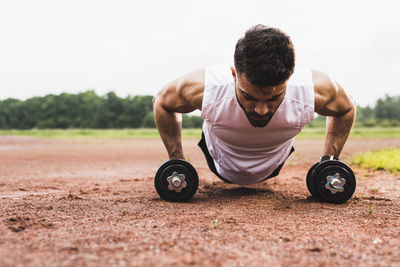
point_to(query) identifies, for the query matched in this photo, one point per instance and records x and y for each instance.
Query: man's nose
(261, 108)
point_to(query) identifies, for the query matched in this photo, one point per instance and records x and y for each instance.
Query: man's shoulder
(300, 87)
(218, 75)
(218, 85)
(301, 77)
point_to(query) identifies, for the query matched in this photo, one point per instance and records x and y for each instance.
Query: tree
(148, 121)
(388, 108)
(191, 121)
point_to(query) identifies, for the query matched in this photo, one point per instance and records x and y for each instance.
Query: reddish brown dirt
(93, 203)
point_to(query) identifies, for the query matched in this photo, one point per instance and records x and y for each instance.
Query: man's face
(258, 103)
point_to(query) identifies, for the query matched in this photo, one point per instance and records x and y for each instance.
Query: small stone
(377, 241)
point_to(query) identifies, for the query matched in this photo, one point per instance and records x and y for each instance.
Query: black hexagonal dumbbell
(331, 181)
(176, 180)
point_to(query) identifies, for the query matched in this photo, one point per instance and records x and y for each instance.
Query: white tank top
(243, 154)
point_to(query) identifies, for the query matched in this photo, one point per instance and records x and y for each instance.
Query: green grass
(387, 159)
(96, 133)
(367, 132)
(375, 132)
(370, 209)
(308, 132)
(215, 223)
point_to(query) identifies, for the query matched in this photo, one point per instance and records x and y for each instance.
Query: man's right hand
(183, 95)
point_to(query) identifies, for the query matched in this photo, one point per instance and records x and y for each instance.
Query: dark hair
(266, 55)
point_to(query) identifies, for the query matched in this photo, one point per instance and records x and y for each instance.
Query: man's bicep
(184, 94)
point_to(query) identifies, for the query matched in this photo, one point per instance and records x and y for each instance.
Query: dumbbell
(331, 181)
(176, 180)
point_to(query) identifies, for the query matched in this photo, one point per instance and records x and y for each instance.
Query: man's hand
(183, 95)
(332, 101)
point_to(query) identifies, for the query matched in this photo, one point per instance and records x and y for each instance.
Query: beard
(257, 120)
(254, 118)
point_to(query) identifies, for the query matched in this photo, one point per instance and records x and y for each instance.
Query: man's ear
(233, 73)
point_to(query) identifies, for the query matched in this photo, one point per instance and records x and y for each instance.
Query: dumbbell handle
(325, 158)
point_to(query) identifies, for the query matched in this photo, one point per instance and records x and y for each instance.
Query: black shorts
(211, 165)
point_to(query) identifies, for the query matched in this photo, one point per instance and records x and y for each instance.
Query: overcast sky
(135, 47)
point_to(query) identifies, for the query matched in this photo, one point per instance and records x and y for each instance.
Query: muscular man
(253, 111)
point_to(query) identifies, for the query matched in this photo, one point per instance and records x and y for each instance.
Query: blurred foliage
(83, 110)
(385, 113)
(88, 110)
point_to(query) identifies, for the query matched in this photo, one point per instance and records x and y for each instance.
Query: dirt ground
(93, 203)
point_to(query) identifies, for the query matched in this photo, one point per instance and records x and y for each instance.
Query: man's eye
(275, 98)
(247, 96)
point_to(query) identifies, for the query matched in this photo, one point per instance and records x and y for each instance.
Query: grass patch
(96, 133)
(387, 159)
(375, 132)
(308, 132)
(362, 132)
(215, 223)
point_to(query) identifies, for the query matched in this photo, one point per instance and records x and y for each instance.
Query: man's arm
(332, 101)
(183, 95)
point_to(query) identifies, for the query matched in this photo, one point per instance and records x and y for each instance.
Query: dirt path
(93, 203)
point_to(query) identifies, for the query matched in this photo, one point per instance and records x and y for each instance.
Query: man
(253, 111)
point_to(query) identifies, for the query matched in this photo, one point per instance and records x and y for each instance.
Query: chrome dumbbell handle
(176, 182)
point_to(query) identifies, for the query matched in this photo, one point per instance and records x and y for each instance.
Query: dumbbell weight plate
(310, 182)
(180, 167)
(331, 168)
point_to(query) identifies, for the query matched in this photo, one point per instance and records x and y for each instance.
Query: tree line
(385, 113)
(89, 110)
(83, 110)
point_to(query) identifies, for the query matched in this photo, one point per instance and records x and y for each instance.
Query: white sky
(135, 47)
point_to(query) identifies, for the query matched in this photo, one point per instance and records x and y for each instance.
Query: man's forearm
(169, 126)
(337, 131)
